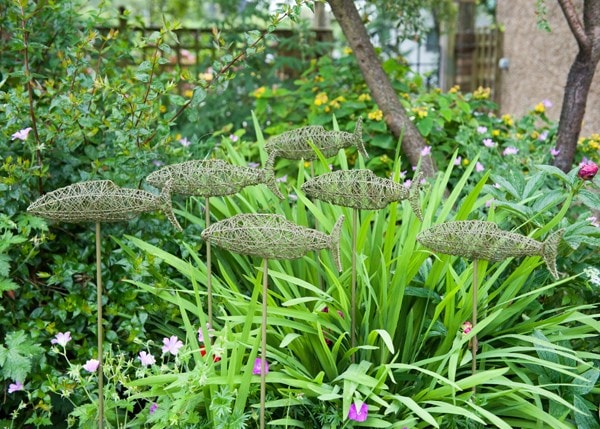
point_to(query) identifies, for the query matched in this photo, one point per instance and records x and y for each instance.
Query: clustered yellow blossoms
(507, 119)
(321, 98)
(590, 144)
(259, 92)
(375, 115)
(540, 108)
(421, 112)
(364, 97)
(482, 93)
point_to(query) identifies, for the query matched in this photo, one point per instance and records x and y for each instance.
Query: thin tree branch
(575, 24)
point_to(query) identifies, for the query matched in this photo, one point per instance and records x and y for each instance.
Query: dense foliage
(113, 106)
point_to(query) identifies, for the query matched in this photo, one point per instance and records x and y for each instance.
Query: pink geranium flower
(171, 345)
(61, 338)
(146, 359)
(91, 365)
(256, 369)
(15, 387)
(21, 134)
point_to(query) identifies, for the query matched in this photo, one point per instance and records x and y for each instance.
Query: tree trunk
(379, 84)
(579, 79)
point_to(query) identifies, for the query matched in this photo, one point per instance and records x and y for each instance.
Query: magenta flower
(547, 103)
(91, 365)
(358, 414)
(510, 151)
(426, 151)
(458, 160)
(61, 338)
(479, 167)
(554, 151)
(587, 170)
(146, 359)
(153, 408)
(171, 345)
(15, 387)
(481, 129)
(489, 143)
(256, 370)
(22, 134)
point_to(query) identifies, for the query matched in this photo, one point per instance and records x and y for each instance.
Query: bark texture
(579, 79)
(379, 84)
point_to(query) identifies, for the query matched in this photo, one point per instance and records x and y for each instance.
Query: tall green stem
(263, 349)
(353, 286)
(100, 331)
(208, 263)
(474, 343)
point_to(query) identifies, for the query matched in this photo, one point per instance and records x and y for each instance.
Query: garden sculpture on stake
(483, 240)
(270, 236)
(211, 178)
(100, 201)
(360, 190)
(296, 144)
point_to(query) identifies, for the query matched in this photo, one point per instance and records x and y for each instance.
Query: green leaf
(4, 265)
(585, 386)
(425, 125)
(590, 199)
(7, 284)
(553, 171)
(16, 358)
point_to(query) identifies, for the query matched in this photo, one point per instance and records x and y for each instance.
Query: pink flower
(594, 221)
(554, 151)
(467, 327)
(407, 183)
(547, 103)
(211, 333)
(426, 151)
(543, 136)
(62, 338)
(146, 359)
(21, 135)
(510, 151)
(153, 408)
(256, 370)
(233, 137)
(481, 129)
(587, 170)
(15, 387)
(185, 142)
(479, 167)
(171, 345)
(458, 160)
(358, 414)
(489, 143)
(253, 164)
(91, 365)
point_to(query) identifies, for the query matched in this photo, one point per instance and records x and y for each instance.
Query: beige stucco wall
(540, 61)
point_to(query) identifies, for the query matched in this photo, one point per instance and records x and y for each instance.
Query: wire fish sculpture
(211, 178)
(101, 201)
(362, 189)
(294, 144)
(474, 239)
(272, 236)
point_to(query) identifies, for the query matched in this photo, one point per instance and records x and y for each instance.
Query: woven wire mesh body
(359, 189)
(475, 239)
(294, 144)
(269, 236)
(211, 178)
(95, 201)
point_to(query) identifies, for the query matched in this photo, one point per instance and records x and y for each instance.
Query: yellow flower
(163, 108)
(421, 112)
(259, 92)
(306, 164)
(465, 162)
(375, 115)
(482, 93)
(347, 51)
(321, 98)
(507, 120)
(319, 79)
(534, 135)
(454, 89)
(495, 133)
(205, 76)
(540, 108)
(188, 93)
(364, 97)
(177, 136)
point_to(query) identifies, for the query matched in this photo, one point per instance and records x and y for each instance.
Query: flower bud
(587, 170)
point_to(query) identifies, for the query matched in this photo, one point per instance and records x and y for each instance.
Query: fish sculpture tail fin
(334, 237)
(413, 196)
(166, 205)
(359, 140)
(271, 183)
(550, 250)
